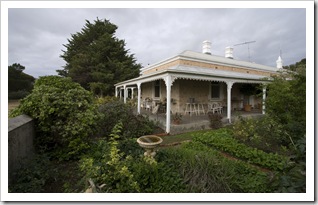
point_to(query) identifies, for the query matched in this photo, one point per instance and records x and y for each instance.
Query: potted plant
(176, 118)
(247, 90)
(173, 101)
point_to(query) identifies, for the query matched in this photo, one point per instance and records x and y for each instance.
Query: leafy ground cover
(223, 140)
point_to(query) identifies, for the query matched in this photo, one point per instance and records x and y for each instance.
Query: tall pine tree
(97, 60)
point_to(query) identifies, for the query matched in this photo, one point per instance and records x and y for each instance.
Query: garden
(88, 144)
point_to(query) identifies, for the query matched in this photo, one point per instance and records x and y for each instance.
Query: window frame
(214, 85)
(157, 84)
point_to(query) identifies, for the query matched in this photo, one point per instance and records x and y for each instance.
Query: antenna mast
(248, 47)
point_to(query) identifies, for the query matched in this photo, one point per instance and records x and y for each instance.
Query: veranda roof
(195, 72)
(198, 72)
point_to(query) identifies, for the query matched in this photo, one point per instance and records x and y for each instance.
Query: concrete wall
(21, 134)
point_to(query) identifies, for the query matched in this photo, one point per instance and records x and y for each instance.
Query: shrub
(215, 120)
(105, 100)
(156, 177)
(264, 133)
(286, 102)
(130, 147)
(120, 172)
(32, 177)
(133, 126)
(65, 116)
(293, 179)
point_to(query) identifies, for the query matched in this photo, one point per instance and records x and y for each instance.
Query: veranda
(196, 121)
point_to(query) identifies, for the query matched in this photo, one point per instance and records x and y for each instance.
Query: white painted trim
(168, 82)
(264, 100)
(139, 97)
(229, 94)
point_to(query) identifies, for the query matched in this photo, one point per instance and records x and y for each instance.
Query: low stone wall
(20, 150)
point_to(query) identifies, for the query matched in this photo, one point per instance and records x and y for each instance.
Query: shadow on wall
(20, 142)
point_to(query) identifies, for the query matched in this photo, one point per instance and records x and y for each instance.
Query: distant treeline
(20, 83)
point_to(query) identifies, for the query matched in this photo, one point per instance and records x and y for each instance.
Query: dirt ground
(13, 104)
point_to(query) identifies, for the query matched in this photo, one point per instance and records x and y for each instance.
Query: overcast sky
(36, 36)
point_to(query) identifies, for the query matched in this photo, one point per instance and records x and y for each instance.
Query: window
(157, 89)
(215, 90)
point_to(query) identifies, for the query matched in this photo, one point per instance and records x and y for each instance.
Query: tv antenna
(248, 47)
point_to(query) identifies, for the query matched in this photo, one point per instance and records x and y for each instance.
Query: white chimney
(229, 52)
(279, 63)
(206, 47)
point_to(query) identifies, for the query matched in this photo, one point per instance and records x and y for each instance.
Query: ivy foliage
(64, 113)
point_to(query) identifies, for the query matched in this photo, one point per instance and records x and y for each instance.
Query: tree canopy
(97, 60)
(19, 83)
(297, 66)
(286, 101)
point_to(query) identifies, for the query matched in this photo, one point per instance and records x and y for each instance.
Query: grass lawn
(180, 137)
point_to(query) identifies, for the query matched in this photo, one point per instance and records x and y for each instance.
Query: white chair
(155, 109)
(153, 104)
(148, 105)
(215, 107)
(190, 109)
(200, 108)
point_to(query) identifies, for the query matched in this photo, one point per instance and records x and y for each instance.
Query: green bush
(215, 120)
(286, 102)
(293, 179)
(130, 147)
(120, 172)
(133, 126)
(32, 177)
(263, 133)
(156, 177)
(222, 140)
(65, 116)
(110, 168)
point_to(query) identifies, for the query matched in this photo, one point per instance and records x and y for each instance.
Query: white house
(189, 81)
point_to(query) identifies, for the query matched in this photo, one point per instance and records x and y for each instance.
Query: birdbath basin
(149, 143)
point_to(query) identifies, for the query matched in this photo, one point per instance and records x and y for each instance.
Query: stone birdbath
(149, 143)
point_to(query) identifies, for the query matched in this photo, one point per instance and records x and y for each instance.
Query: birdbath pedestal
(149, 143)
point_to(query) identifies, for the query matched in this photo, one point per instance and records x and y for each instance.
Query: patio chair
(155, 109)
(215, 107)
(148, 105)
(153, 104)
(200, 108)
